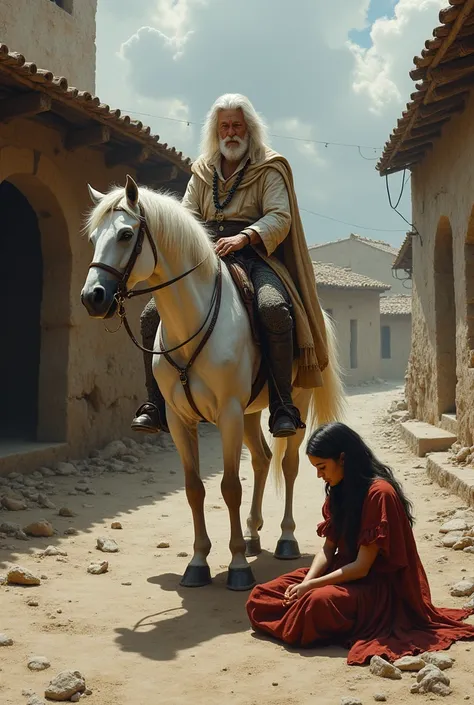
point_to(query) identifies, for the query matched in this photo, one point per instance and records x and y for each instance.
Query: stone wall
(53, 38)
(440, 371)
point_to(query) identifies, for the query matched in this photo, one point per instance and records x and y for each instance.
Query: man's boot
(150, 417)
(285, 418)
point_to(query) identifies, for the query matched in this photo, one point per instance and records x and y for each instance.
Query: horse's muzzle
(100, 300)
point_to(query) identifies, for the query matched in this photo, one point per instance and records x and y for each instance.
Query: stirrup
(285, 420)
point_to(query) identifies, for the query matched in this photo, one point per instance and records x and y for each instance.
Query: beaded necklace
(215, 193)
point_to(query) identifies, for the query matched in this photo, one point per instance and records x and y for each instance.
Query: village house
(434, 138)
(353, 302)
(373, 258)
(67, 385)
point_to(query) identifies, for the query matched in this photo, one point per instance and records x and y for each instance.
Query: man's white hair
(257, 130)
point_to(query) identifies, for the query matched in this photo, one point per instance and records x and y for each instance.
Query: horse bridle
(122, 295)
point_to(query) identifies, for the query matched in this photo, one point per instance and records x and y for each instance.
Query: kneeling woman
(366, 589)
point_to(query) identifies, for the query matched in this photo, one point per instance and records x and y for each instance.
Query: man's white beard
(234, 153)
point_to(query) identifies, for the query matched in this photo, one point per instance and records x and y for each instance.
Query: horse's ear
(131, 191)
(96, 196)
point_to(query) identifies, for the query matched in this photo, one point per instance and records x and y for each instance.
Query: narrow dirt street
(138, 638)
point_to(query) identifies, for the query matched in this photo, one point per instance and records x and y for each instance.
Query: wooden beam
(75, 139)
(449, 90)
(24, 105)
(158, 175)
(454, 103)
(428, 124)
(452, 70)
(127, 155)
(409, 145)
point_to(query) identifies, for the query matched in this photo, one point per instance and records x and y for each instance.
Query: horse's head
(123, 256)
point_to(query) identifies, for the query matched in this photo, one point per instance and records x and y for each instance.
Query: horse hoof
(196, 576)
(287, 550)
(240, 579)
(252, 547)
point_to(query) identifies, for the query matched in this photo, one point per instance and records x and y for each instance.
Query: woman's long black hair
(361, 468)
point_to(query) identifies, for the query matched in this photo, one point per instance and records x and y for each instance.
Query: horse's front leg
(231, 427)
(185, 437)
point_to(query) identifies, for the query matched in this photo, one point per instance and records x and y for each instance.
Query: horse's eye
(126, 236)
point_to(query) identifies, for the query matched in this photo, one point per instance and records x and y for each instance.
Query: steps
(449, 423)
(456, 479)
(423, 438)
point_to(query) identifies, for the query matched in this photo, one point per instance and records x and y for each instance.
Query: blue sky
(319, 72)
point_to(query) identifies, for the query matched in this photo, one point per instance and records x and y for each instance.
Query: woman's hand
(226, 245)
(294, 592)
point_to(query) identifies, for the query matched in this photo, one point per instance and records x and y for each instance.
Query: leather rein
(122, 295)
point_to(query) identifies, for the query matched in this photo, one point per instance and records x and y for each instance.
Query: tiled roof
(397, 305)
(331, 276)
(404, 258)
(378, 244)
(445, 71)
(84, 117)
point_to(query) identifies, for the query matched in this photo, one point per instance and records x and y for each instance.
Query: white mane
(175, 230)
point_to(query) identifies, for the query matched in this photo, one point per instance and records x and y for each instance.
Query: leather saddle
(246, 291)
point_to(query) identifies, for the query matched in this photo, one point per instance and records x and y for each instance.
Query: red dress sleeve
(384, 522)
(325, 528)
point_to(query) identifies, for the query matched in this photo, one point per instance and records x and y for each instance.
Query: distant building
(373, 258)
(395, 335)
(353, 302)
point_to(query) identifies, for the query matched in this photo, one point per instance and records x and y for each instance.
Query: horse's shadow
(204, 614)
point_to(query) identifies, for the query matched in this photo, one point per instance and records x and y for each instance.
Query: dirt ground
(139, 638)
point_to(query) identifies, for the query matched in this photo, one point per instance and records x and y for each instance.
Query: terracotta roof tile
(444, 70)
(331, 276)
(377, 244)
(82, 108)
(397, 305)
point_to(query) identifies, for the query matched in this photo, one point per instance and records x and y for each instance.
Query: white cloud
(298, 68)
(381, 72)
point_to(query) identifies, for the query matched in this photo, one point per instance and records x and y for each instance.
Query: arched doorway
(22, 280)
(445, 314)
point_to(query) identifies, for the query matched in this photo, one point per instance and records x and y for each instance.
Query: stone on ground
(65, 685)
(383, 669)
(20, 576)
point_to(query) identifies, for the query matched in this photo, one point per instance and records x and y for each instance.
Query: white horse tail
(328, 403)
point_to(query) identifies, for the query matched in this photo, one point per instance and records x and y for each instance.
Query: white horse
(178, 258)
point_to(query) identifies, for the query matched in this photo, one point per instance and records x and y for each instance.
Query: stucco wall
(90, 381)
(52, 38)
(363, 306)
(443, 199)
(363, 259)
(400, 339)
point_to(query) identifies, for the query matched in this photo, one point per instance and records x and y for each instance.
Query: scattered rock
(458, 525)
(5, 640)
(449, 540)
(438, 659)
(66, 469)
(34, 699)
(71, 531)
(384, 669)
(116, 525)
(52, 551)
(9, 528)
(430, 679)
(470, 605)
(464, 588)
(113, 449)
(380, 698)
(462, 455)
(65, 685)
(410, 663)
(468, 549)
(38, 663)
(163, 544)
(351, 701)
(14, 505)
(66, 512)
(45, 503)
(39, 528)
(464, 542)
(107, 545)
(32, 603)
(402, 406)
(183, 554)
(20, 576)
(98, 568)
(75, 698)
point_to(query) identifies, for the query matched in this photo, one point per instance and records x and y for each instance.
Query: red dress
(388, 613)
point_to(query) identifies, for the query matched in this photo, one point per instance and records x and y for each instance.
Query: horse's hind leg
(185, 437)
(261, 457)
(287, 546)
(231, 427)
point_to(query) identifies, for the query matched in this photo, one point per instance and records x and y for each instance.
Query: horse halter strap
(124, 276)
